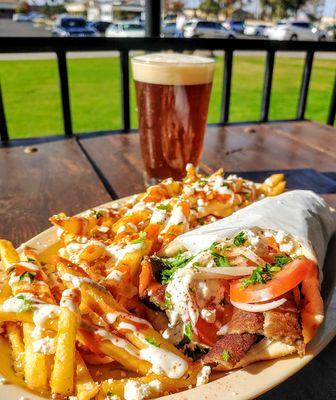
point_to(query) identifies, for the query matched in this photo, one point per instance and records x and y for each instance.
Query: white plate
(243, 384)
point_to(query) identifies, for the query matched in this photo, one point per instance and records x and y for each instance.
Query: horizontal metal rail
(61, 46)
(54, 44)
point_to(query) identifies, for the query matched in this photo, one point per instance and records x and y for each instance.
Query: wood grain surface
(235, 148)
(37, 184)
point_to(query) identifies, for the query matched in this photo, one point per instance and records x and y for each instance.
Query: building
(113, 10)
(41, 3)
(7, 8)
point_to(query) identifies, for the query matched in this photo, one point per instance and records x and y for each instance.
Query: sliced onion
(223, 272)
(249, 254)
(259, 307)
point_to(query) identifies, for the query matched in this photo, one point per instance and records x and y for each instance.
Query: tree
(23, 8)
(172, 6)
(281, 8)
(229, 6)
(314, 9)
(52, 10)
(210, 6)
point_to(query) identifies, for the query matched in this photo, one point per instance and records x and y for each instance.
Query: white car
(23, 17)
(255, 30)
(125, 29)
(207, 29)
(295, 30)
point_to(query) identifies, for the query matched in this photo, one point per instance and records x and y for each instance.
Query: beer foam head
(173, 69)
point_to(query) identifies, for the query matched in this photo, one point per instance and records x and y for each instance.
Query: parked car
(295, 30)
(100, 26)
(171, 17)
(255, 30)
(27, 17)
(168, 29)
(234, 25)
(125, 29)
(331, 32)
(208, 29)
(73, 26)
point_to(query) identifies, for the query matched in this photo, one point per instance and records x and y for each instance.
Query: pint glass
(173, 92)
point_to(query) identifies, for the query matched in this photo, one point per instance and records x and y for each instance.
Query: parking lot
(11, 28)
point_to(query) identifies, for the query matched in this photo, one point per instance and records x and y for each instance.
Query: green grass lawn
(32, 99)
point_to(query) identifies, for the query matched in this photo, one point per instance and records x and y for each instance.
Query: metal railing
(61, 46)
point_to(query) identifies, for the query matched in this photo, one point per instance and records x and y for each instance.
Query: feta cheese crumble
(135, 390)
(203, 376)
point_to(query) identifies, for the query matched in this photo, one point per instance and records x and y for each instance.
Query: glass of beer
(173, 92)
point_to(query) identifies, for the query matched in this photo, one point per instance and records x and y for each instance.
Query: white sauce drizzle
(68, 300)
(164, 362)
(117, 341)
(177, 218)
(46, 345)
(43, 312)
(76, 281)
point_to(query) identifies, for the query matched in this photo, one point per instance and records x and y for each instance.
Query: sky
(329, 7)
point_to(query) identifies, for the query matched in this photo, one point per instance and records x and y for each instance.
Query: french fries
(35, 365)
(14, 333)
(80, 310)
(156, 385)
(62, 377)
(86, 388)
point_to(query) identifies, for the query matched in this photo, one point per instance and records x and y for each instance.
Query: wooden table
(38, 179)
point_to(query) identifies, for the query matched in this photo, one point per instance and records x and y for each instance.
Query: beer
(173, 92)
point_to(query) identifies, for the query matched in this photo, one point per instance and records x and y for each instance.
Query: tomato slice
(288, 278)
(206, 332)
(313, 311)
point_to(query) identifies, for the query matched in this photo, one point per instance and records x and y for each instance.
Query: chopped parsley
(26, 304)
(188, 331)
(142, 237)
(213, 247)
(165, 207)
(271, 269)
(202, 182)
(225, 356)
(256, 277)
(239, 239)
(280, 261)
(29, 259)
(152, 341)
(187, 336)
(171, 265)
(220, 261)
(247, 196)
(168, 302)
(97, 213)
(28, 275)
(264, 274)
